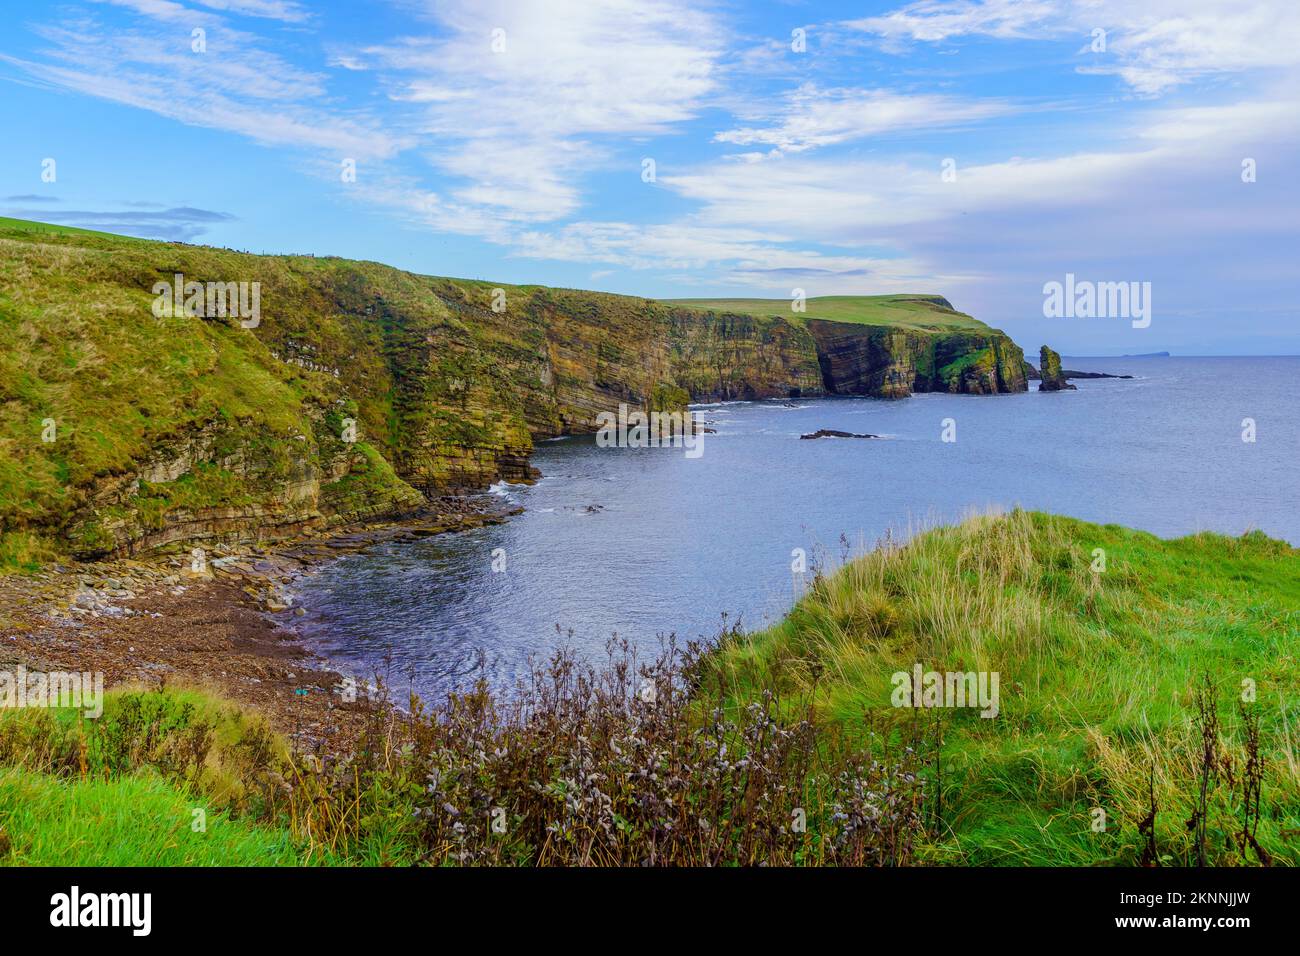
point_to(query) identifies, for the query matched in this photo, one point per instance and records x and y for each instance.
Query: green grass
(1098, 672)
(81, 347)
(94, 389)
(122, 789)
(929, 313)
(133, 820)
(54, 229)
(199, 740)
(954, 369)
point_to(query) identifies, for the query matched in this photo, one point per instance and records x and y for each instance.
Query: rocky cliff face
(473, 394)
(473, 387)
(363, 390)
(226, 482)
(717, 357)
(1049, 370)
(894, 363)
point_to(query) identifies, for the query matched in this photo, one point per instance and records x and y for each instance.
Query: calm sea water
(643, 542)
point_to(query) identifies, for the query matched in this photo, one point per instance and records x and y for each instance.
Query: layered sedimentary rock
(893, 363)
(362, 390)
(1049, 371)
(719, 356)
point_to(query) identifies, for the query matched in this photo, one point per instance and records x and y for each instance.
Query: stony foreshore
(217, 624)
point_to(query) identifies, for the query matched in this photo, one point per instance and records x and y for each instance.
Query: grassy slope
(1097, 675)
(913, 312)
(424, 365)
(151, 380)
(54, 229)
(67, 799)
(79, 345)
(137, 820)
(82, 347)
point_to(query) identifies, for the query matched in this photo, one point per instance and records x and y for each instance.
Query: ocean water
(645, 542)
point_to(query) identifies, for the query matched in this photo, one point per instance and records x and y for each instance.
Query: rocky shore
(219, 623)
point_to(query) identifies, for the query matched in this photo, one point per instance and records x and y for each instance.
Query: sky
(684, 148)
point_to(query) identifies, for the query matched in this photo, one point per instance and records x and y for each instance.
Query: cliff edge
(361, 391)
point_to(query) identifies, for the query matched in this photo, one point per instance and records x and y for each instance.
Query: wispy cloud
(170, 11)
(518, 101)
(522, 125)
(226, 79)
(285, 10)
(938, 20)
(806, 196)
(809, 117)
(736, 254)
(1153, 46)
(178, 224)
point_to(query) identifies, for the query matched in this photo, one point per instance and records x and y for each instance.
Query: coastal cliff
(362, 391)
(893, 363)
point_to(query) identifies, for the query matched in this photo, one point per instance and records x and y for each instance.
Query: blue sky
(507, 140)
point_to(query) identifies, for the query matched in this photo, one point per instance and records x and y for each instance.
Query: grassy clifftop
(121, 429)
(1127, 678)
(116, 425)
(891, 345)
(1104, 639)
(922, 313)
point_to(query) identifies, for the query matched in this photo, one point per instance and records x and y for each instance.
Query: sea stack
(1049, 367)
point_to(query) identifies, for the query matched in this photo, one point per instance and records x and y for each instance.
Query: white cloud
(285, 10)
(810, 117)
(164, 10)
(753, 257)
(235, 85)
(170, 11)
(863, 201)
(729, 254)
(937, 20)
(1153, 46)
(522, 125)
(1168, 185)
(347, 63)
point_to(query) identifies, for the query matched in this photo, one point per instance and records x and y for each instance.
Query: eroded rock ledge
(834, 433)
(365, 391)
